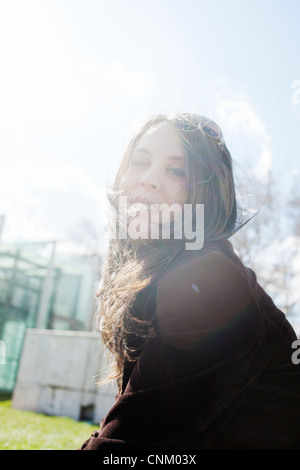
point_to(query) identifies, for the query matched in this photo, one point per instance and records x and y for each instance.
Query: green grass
(26, 430)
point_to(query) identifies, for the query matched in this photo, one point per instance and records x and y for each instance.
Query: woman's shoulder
(209, 269)
(204, 290)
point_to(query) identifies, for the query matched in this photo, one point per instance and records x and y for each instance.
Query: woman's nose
(150, 180)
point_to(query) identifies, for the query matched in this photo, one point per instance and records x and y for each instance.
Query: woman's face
(157, 168)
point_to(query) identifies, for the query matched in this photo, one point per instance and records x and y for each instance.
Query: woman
(202, 354)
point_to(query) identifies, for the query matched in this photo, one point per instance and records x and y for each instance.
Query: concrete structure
(57, 374)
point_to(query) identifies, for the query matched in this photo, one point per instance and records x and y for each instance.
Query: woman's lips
(141, 200)
(141, 203)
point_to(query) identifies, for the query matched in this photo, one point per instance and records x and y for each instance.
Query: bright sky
(75, 74)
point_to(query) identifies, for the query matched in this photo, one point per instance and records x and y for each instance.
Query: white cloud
(241, 120)
(119, 79)
(48, 201)
(40, 76)
(45, 80)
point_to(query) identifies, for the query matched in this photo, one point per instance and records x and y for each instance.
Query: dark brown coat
(218, 374)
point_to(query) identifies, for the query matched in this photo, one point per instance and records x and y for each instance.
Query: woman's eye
(178, 172)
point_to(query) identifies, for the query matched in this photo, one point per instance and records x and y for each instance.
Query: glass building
(41, 288)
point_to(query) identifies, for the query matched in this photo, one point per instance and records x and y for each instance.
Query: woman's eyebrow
(171, 157)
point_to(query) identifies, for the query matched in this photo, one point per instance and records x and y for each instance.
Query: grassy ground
(25, 430)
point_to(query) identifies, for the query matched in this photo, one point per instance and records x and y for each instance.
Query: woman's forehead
(164, 137)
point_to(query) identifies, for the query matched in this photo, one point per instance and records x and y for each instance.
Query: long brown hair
(132, 266)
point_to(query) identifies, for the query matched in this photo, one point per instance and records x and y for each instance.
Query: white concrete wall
(57, 375)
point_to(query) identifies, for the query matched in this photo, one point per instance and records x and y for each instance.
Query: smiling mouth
(140, 203)
(141, 200)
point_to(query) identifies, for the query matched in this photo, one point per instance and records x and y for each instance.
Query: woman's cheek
(125, 183)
